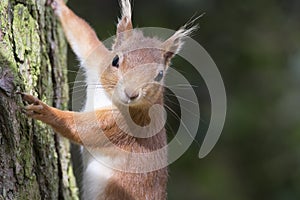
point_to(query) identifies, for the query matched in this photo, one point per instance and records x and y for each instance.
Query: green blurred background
(255, 45)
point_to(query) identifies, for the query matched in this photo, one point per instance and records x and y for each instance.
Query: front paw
(35, 109)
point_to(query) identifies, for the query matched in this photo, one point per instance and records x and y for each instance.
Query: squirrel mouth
(129, 98)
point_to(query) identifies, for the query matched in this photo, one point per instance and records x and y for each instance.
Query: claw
(23, 110)
(21, 94)
(18, 92)
(29, 98)
(35, 108)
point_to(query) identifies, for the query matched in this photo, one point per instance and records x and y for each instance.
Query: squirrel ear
(173, 45)
(125, 23)
(124, 26)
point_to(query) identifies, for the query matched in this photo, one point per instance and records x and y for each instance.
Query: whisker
(182, 85)
(77, 91)
(53, 98)
(78, 86)
(99, 84)
(185, 127)
(182, 98)
(181, 106)
(173, 133)
(73, 82)
(73, 71)
(91, 86)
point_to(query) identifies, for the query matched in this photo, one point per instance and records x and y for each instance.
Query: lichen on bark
(35, 163)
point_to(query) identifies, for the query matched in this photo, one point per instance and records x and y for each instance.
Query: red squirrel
(131, 76)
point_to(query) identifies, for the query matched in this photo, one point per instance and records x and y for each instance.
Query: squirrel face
(136, 73)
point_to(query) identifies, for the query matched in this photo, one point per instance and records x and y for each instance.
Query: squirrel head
(135, 75)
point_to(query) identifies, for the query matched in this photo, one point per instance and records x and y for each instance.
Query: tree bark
(34, 162)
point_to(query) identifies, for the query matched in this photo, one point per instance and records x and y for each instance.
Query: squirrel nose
(131, 95)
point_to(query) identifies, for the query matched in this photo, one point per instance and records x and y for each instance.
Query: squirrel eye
(159, 76)
(115, 61)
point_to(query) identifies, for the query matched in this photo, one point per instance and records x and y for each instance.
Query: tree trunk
(34, 162)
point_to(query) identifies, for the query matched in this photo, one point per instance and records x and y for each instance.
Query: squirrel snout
(132, 95)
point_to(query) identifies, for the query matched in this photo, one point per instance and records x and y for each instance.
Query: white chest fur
(96, 173)
(96, 95)
(96, 177)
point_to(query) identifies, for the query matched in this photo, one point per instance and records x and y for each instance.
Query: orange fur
(105, 130)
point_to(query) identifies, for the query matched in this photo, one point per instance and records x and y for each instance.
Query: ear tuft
(124, 26)
(125, 23)
(125, 8)
(173, 45)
